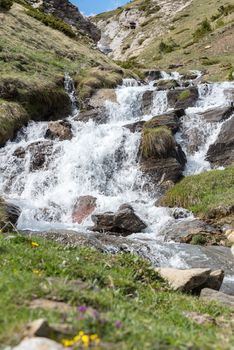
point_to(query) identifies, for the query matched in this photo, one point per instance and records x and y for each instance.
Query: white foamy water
(100, 160)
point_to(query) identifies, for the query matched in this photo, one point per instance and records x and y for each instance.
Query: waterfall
(100, 160)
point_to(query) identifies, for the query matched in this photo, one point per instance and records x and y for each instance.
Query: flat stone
(51, 305)
(38, 344)
(184, 280)
(213, 295)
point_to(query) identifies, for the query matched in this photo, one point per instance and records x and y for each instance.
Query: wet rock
(213, 295)
(147, 101)
(38, 344)
(217, 114)
(19, 152)
(215, 280)
(180, 213)
(193, 231)
(170, 120)
(40, 154)
(152, 74)
(135, 127)
(98, 115)
(166, 84)
(182, 98)
(199, 318)
(221, 153)
(185, 280)
(83, 208)
(51, 305)
(13, 212)
(38, 328)
(124, 221)
(61, 130)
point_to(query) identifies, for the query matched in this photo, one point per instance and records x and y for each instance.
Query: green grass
(156, 142)
(120, 288)
(184, 95)
(203, 29)
(203, 192)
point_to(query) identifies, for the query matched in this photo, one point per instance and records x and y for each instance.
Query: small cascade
(70, 90)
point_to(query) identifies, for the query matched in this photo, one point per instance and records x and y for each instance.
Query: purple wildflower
(82, 309)
(118, 324)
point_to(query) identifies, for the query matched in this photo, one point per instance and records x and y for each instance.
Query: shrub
(203, 29)
(167, 47)
(6, 4)
(157, 142)
(52, 21)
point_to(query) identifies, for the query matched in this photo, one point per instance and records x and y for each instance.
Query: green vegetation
(96, 78)
(148, 7)
(3, 215)
(156, 142)
(52, 21)
(203, 192)
(133, 66)
(184, 95)
(6, 4)
(230, 76)
(199, 240)
(129, 306)
(223, 10)
(167, 47)
(203, 29)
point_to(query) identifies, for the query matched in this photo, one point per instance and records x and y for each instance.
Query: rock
(216, 114)
(83, 208)
(180, 213)
(184, 280)
(147, 101)
(98, 115)
(61, 130)
(213, 295)
(215, 280)
(166, 84)
(135, 127)
(38, 344)
(152, 74)
(189, 76)
(175, 65)
(182, 98)
(13, 212)
(101, 96)
(19, 152)
(230, 237)
(38, 328)
(40, 152)
(170, 120)
(124, 221)
(51, 305)
(221, 153)
(192, 231)
(199, 318)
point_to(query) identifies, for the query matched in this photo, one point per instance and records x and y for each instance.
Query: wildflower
(37, 272)
(85, 340)
(67, 343)
(118, 324)
(34, 245)
(82, 309)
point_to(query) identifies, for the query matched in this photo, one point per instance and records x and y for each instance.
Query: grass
(184, 95)
(156, 142)
(3, 215)
(203, 192)
(133, 307)
(203, 29)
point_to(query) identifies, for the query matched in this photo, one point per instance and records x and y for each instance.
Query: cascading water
(101, 161)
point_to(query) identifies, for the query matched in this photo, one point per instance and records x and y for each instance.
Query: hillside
(163, 34)
(33, 59)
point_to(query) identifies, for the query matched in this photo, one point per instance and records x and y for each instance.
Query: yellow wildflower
(37, 272)
(85, 340)
(34, 245)
(67, 343)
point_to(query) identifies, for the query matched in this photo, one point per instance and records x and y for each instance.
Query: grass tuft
(157, 142)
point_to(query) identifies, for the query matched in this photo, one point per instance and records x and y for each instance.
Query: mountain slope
(170, 33)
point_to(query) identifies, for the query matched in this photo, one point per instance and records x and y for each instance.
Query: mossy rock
(157, 142)
(3, 214)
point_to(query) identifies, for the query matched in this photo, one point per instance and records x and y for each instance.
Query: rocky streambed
(100, 174)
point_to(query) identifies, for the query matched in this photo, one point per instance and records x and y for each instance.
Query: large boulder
(208, 294)
(123, 222)
(191, 280)
(166, 84)
(98, 115)
(83, 208)
(61, 130)
(13, 212)
(221, 153)
(217, 114)
(170, 120)
(152, 74)
(147, 101)
(101, 96)
(182, 98)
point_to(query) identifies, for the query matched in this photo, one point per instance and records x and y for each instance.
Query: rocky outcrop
(61, 130)
(208, 294)
(83, 208)
(70, 14)
(192, 280)
(182, 98)
(124, 222)
(217, 114)
(221, 153)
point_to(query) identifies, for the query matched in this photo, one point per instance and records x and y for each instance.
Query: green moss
(52, 21)
(121, 287)
(203, 192)
(199, 240)
(184, 95)
(156, 142)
